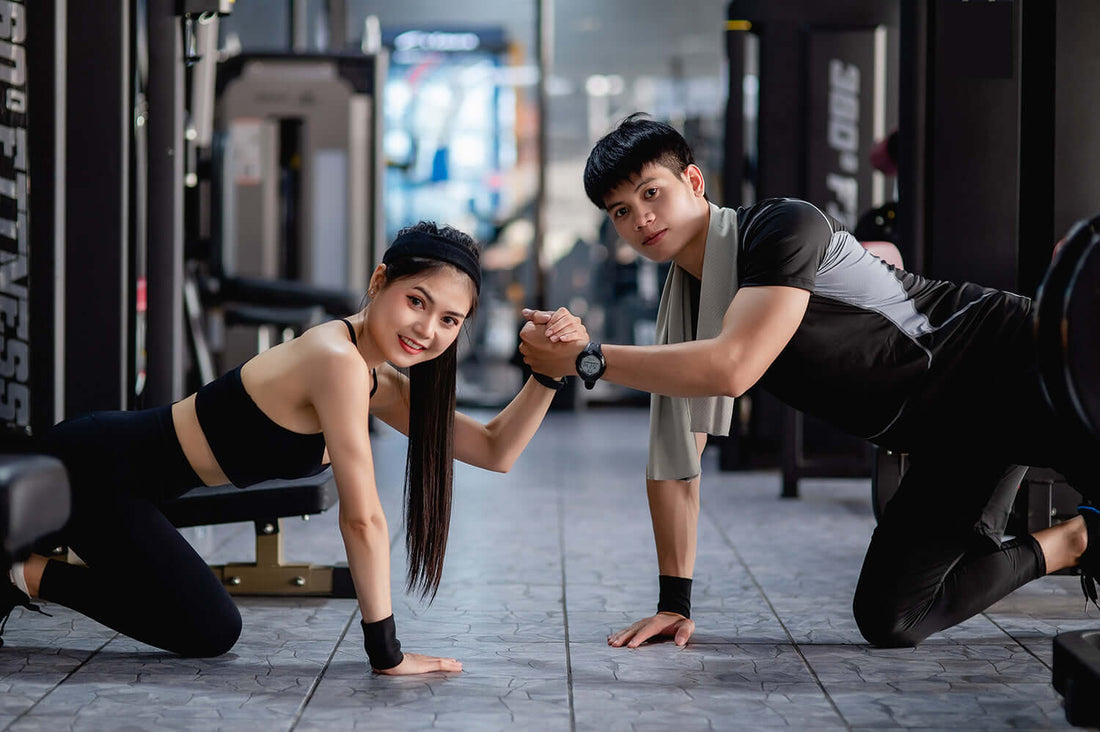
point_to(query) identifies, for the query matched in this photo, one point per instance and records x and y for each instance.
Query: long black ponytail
(429, 461)
(429, 469)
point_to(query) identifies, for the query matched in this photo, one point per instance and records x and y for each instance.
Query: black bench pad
(224, 504)
(1076, 672)
(34, 502)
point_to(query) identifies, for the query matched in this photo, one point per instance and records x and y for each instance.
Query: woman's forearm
(512, 429)
(497, 444)
(367, 543)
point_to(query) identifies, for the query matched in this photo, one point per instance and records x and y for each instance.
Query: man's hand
(665, 625)
(550, 342)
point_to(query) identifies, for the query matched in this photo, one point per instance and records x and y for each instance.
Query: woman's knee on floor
(196, 616)
(221, 637)
(213, 633)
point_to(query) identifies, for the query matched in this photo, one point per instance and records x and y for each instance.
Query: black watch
(591, 364)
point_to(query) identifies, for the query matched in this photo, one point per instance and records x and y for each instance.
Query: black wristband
(380, 641)
(675, 595)
(546, 381)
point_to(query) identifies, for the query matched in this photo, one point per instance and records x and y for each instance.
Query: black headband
(431, 246)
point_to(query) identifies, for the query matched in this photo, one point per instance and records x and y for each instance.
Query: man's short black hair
(624, 151)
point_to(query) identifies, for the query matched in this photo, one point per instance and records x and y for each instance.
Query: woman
(283, 414)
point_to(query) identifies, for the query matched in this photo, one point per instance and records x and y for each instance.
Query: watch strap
(548, 382)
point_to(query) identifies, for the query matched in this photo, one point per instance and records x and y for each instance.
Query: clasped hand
(550, 341)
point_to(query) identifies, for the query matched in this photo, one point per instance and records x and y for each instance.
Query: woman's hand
(415, 663)
(562, 326)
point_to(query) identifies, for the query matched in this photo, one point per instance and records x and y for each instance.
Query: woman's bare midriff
(195, 447)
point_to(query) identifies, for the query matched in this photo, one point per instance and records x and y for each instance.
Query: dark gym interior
(187, 183)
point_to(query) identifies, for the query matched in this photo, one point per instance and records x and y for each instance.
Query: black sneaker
(1089, 564)
(10, 598)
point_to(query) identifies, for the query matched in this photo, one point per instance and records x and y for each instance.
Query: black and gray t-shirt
(873, 337)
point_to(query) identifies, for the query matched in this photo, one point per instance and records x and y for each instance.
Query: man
(779, 294)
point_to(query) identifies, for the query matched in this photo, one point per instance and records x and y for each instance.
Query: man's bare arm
(674, 510)
(757, 326)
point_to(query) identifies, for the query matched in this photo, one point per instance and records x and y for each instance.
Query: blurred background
(212, 177)
(461, 104)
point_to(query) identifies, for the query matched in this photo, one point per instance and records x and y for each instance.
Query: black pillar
(46, 73)
(914, 78)
(164, 338)
(998, 135)
(99, 119)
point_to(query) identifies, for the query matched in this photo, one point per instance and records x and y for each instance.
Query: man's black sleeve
(782, 243)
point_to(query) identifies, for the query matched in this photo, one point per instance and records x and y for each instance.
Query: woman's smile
(410, 345)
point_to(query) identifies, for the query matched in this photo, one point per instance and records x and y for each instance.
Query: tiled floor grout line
(324, 669)
(328, 661)
(565, 615)
(1017, 641)
(794, 644)
(67, 676)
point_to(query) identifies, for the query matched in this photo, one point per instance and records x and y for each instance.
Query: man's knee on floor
(884, 625)
(883, 635)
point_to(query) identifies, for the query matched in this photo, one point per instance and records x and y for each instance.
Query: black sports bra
(248, 445)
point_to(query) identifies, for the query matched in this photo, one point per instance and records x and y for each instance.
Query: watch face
(590, 365)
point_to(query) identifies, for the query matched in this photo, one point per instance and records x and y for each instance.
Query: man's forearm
(690, 369)
(674, 510)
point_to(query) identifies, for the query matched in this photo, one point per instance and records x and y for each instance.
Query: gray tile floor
(543, 562)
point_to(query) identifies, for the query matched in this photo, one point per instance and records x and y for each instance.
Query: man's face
(658, 211)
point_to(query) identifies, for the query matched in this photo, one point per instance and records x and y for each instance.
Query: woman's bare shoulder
(327, 346)
(327, 352)
(323, 351)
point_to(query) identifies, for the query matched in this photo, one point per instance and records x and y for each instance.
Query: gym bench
(34, 502)
(1075, 677)
(266, 505)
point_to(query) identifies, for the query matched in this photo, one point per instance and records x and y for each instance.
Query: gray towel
(673, 420)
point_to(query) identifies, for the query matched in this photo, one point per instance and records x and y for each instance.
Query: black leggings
(936, 557)
(141, 577)
(925, 571)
